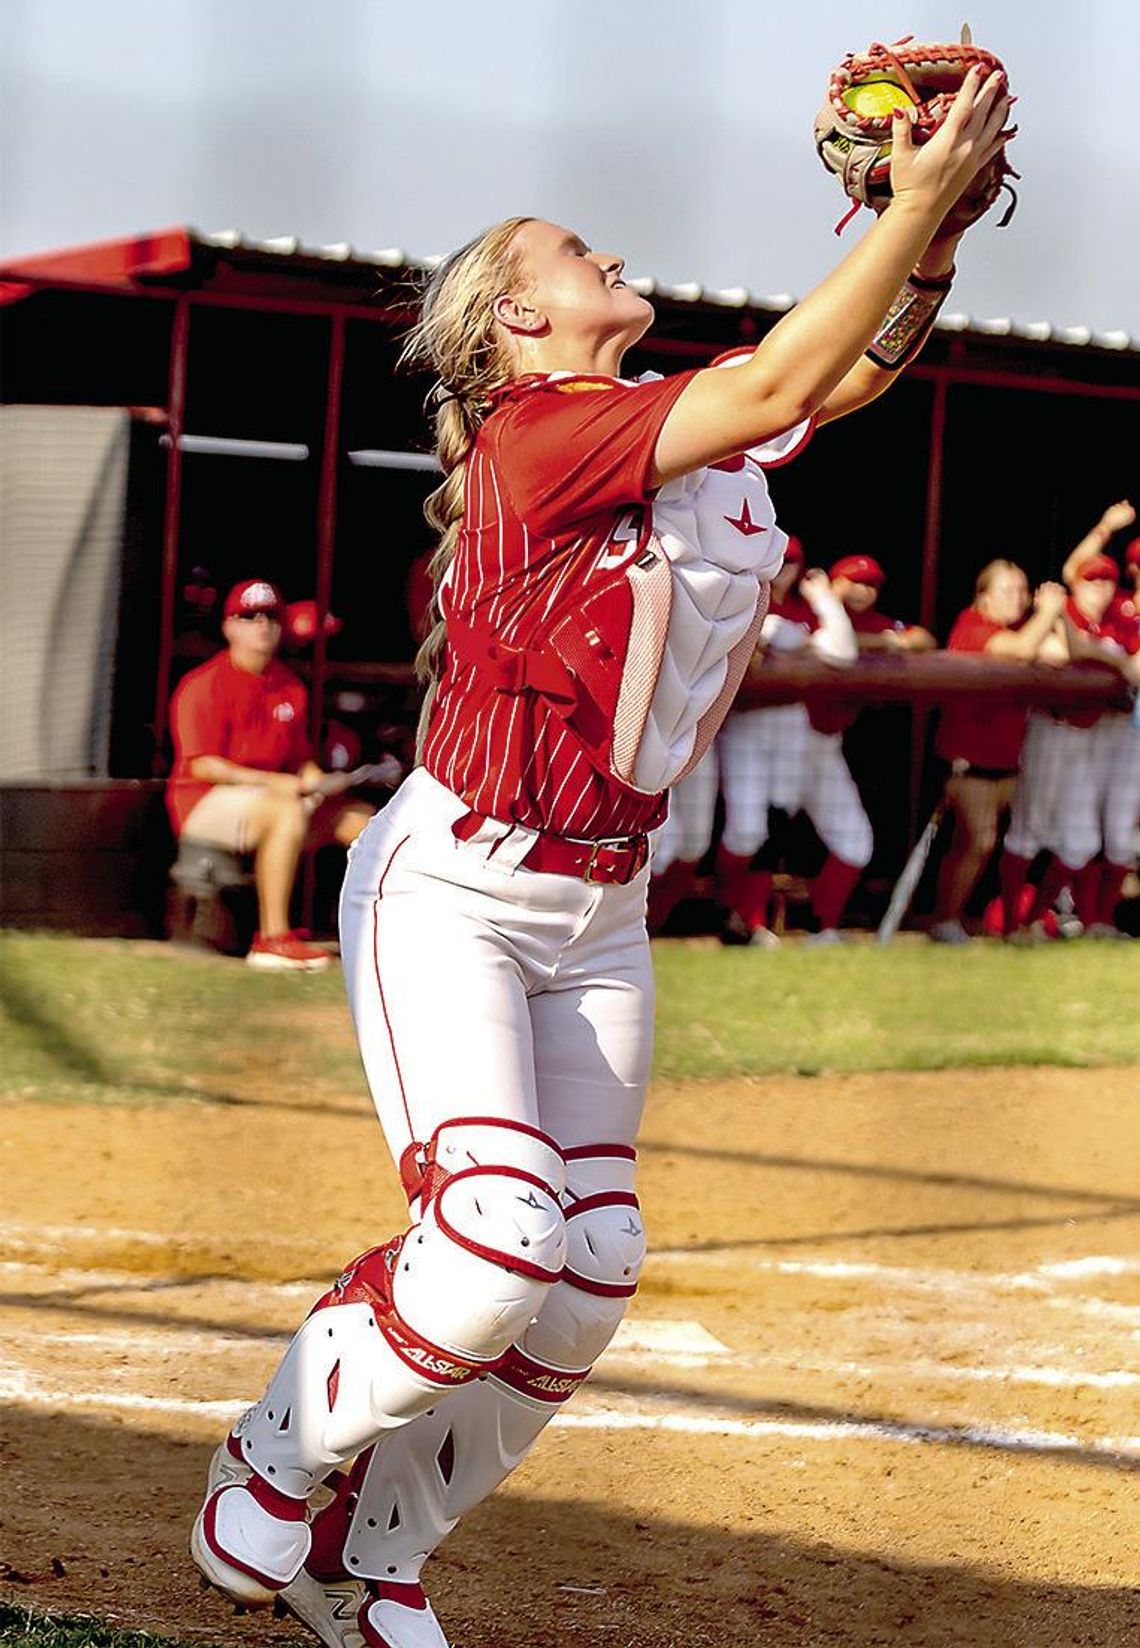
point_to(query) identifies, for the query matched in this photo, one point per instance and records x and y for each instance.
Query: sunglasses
(252, 617)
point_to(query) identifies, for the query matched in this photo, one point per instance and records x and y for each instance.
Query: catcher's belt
(853, 129)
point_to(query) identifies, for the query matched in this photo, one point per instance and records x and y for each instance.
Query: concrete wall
(63, 476)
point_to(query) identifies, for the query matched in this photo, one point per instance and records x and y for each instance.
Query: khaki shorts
(224, 816)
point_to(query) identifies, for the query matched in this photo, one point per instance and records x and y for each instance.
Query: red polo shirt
(254, 720)
(986, 732)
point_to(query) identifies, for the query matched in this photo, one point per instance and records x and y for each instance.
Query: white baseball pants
(479, 988)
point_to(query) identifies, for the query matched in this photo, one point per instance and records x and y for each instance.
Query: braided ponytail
(455, 337)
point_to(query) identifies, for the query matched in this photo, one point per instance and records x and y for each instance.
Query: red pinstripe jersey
(557, 494)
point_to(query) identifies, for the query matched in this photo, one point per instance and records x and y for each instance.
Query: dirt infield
(879, 1385)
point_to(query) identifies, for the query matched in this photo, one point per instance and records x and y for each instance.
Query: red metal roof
(112, 263)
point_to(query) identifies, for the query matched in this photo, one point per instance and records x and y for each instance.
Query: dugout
(180, 401)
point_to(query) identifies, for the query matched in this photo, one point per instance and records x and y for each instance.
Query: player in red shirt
(604, 558)
(1079, 796)
(244, 775)
(858, 581)
(982, 740)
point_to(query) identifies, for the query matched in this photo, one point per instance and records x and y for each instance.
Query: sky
(677, 133)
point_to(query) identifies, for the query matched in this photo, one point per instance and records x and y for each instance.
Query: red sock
(732, 876)
(1056, 878)
(1086, 891)
(668, 889)
(1112, 879)
(833, 887)
(757, 893)
(1012, 871)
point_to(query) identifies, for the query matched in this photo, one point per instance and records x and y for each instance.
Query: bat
(911, 875)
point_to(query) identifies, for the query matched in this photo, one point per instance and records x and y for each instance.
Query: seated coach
(244, 775)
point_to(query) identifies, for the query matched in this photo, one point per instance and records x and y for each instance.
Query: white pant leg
(1037, 782)
(760, 759)
(692, 807)
(590, 1008)
(442, 945)
(1118, 761)
(1074, 797)
(832, 801)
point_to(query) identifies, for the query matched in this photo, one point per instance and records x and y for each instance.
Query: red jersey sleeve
(971, 632)
(199, 721)
(580, 447)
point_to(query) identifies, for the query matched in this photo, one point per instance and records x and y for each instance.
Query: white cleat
(330, 1609)
(354, 1613)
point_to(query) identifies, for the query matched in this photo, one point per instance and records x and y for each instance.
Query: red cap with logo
(859, 569)
(1099, 566)
(301, 622)
(793, 552)
(254, 595)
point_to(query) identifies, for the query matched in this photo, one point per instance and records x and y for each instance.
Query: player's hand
(1050, 599)
(284, 783)
(933, 175)
(1117, 516)
(814, 582)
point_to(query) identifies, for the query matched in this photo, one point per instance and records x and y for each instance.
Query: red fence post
(171, 522)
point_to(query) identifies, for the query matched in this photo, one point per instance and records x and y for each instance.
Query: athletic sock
(757, 894)
(1086, 891)
(732, 877)
(1013, 871)
(833, 887)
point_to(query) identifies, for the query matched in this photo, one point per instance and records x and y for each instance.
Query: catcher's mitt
(853, 129)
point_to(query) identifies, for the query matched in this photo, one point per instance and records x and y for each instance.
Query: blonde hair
(455, 337)
(990, 571)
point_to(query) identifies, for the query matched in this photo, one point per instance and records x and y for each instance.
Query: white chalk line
(645, 1344)
(24, 1237)
(1040, 1280)
(642, 1340)
(29, 1393)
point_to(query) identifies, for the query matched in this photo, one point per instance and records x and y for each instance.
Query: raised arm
(808, 354)
(1096, 540)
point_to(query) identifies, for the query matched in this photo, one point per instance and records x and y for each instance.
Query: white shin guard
(407, 1323)
(408, 1493)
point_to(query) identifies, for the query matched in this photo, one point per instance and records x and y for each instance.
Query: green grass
(119, 1023)
(911, 1006)
(24, 1628)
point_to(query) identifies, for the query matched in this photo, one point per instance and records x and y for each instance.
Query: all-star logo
(745, 524)
(631, 1227)
(530, 1200)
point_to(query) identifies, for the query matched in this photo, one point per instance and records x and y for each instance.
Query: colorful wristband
(907, 323)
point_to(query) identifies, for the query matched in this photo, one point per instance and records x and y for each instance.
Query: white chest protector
(645, 667)
(716, 529)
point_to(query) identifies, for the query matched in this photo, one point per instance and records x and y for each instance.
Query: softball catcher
(604, 560)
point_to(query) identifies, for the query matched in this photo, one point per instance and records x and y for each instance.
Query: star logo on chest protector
(744, 524)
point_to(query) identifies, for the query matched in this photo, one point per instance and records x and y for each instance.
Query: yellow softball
(875, 99)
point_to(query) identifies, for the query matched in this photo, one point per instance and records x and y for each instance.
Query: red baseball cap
(1132, 553)
(793, 552)
(301, 622)
(859, 569)
(1099, 566)
(254, 595)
